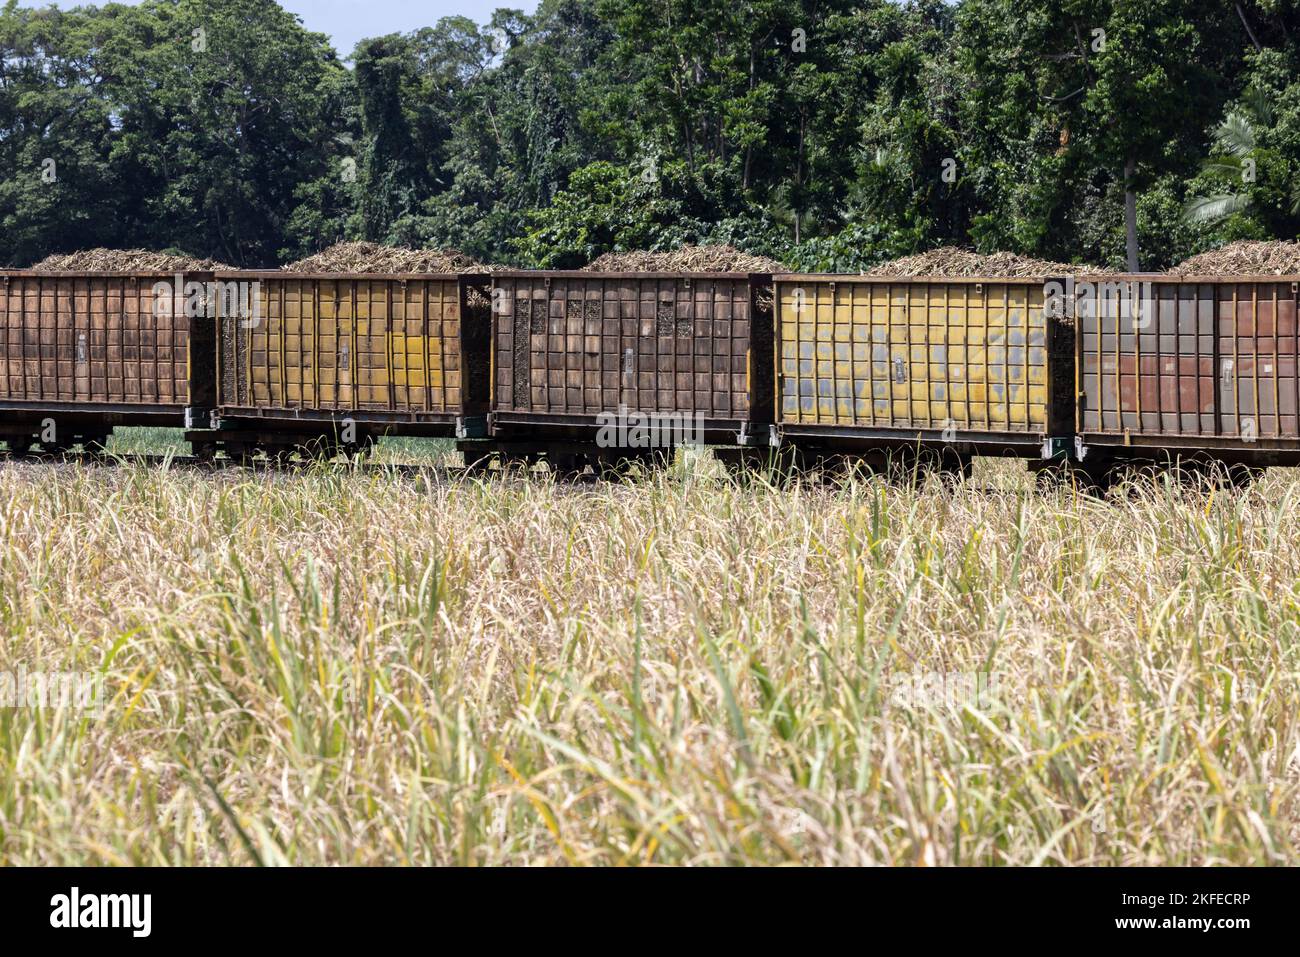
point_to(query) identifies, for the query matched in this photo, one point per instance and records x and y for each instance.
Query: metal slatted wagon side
(603, 369)
(325, 362)
(1197, 371)
(920, 371)
(86, 351)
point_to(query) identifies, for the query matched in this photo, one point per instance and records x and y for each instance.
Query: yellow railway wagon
(977, 366)
(315, 353)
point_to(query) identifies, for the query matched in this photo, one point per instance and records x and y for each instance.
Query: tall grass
(388, 449)
(337, 666)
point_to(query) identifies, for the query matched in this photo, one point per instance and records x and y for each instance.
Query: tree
(216, 128)
(1254, 171)
(61, 181)
(606, 207)
(822, 131)
(1147, 86)
(410, 90)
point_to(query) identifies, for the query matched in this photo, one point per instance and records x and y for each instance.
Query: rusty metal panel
(348, 343)
(95, 339)
(576, 343)
(918, 354)
(1210, 359)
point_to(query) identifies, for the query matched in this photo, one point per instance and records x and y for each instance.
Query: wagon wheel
(282, 457)
(239, 453)
(658, 458)
(740, 468)
(517, 463)
(739, 463)
(907, 470)
(363, 446)
(318, 447)
(828, 468)
(952, 470)
(1229, 476)
(1096, 479)
(478, 465)
(204, 453)
(1052, 476)
(96, 444)
(566, 467)
(1242, 477)
(644, 462)
(1189, 474)
(776, 466)
(620, 464)
(846, 468)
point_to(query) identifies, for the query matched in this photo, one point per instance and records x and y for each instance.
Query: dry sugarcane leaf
(952, 261)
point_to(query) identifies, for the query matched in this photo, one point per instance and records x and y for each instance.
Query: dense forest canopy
(832, 134)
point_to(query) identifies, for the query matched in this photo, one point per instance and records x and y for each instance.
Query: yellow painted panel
(317, 336)
(917, 355)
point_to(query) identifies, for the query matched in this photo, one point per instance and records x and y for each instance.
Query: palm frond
(1236, 134)
(1228, 165)
(1209, 209)
(1259, 104)
(884, 157)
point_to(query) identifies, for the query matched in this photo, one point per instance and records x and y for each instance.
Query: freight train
(1080, 375)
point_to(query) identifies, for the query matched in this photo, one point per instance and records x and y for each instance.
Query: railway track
(200, 464)
(445, 473)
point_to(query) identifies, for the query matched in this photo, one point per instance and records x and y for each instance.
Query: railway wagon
(327, 361)
(82, 352)
(599, 369)
(1191, 371)
(922, 371)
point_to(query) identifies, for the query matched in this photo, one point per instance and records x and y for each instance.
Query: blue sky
(347, 21)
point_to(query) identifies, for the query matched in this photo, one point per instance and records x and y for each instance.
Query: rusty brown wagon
(1201, 369)
(599, 368)
(82, 352)
(323, 361)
